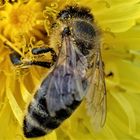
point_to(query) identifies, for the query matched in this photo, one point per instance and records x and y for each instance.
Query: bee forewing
(96, 96)
(66, 84)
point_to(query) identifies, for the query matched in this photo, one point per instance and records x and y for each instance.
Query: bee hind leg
(16, 58)
(37, 51)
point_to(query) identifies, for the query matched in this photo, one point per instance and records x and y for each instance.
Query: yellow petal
(14, 106)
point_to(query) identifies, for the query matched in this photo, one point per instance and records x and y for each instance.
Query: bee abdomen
(63, 114)
(31, 128)
(34, 120)
(38, 120)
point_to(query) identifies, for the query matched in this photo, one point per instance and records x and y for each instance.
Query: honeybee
(77, 75)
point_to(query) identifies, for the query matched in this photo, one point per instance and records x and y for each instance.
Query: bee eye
(84, 29)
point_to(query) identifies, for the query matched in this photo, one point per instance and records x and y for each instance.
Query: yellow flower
(24, 24)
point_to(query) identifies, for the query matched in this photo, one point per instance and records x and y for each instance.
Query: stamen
(9, 44)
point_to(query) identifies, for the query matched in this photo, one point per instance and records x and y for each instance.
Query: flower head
(25, 24)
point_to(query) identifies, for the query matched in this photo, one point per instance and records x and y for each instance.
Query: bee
(77, 75)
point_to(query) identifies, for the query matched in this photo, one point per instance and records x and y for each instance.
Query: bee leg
(15, 58)
(36, 51)
(110, 74)
(42, 63)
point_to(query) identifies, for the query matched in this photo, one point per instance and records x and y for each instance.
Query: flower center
(19, 17)
(23, 17)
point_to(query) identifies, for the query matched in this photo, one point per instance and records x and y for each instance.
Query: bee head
(75, 12)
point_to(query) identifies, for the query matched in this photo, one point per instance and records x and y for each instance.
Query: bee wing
(64, 86)
(96, 96)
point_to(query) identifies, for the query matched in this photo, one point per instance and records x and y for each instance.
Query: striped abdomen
(55, 100)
